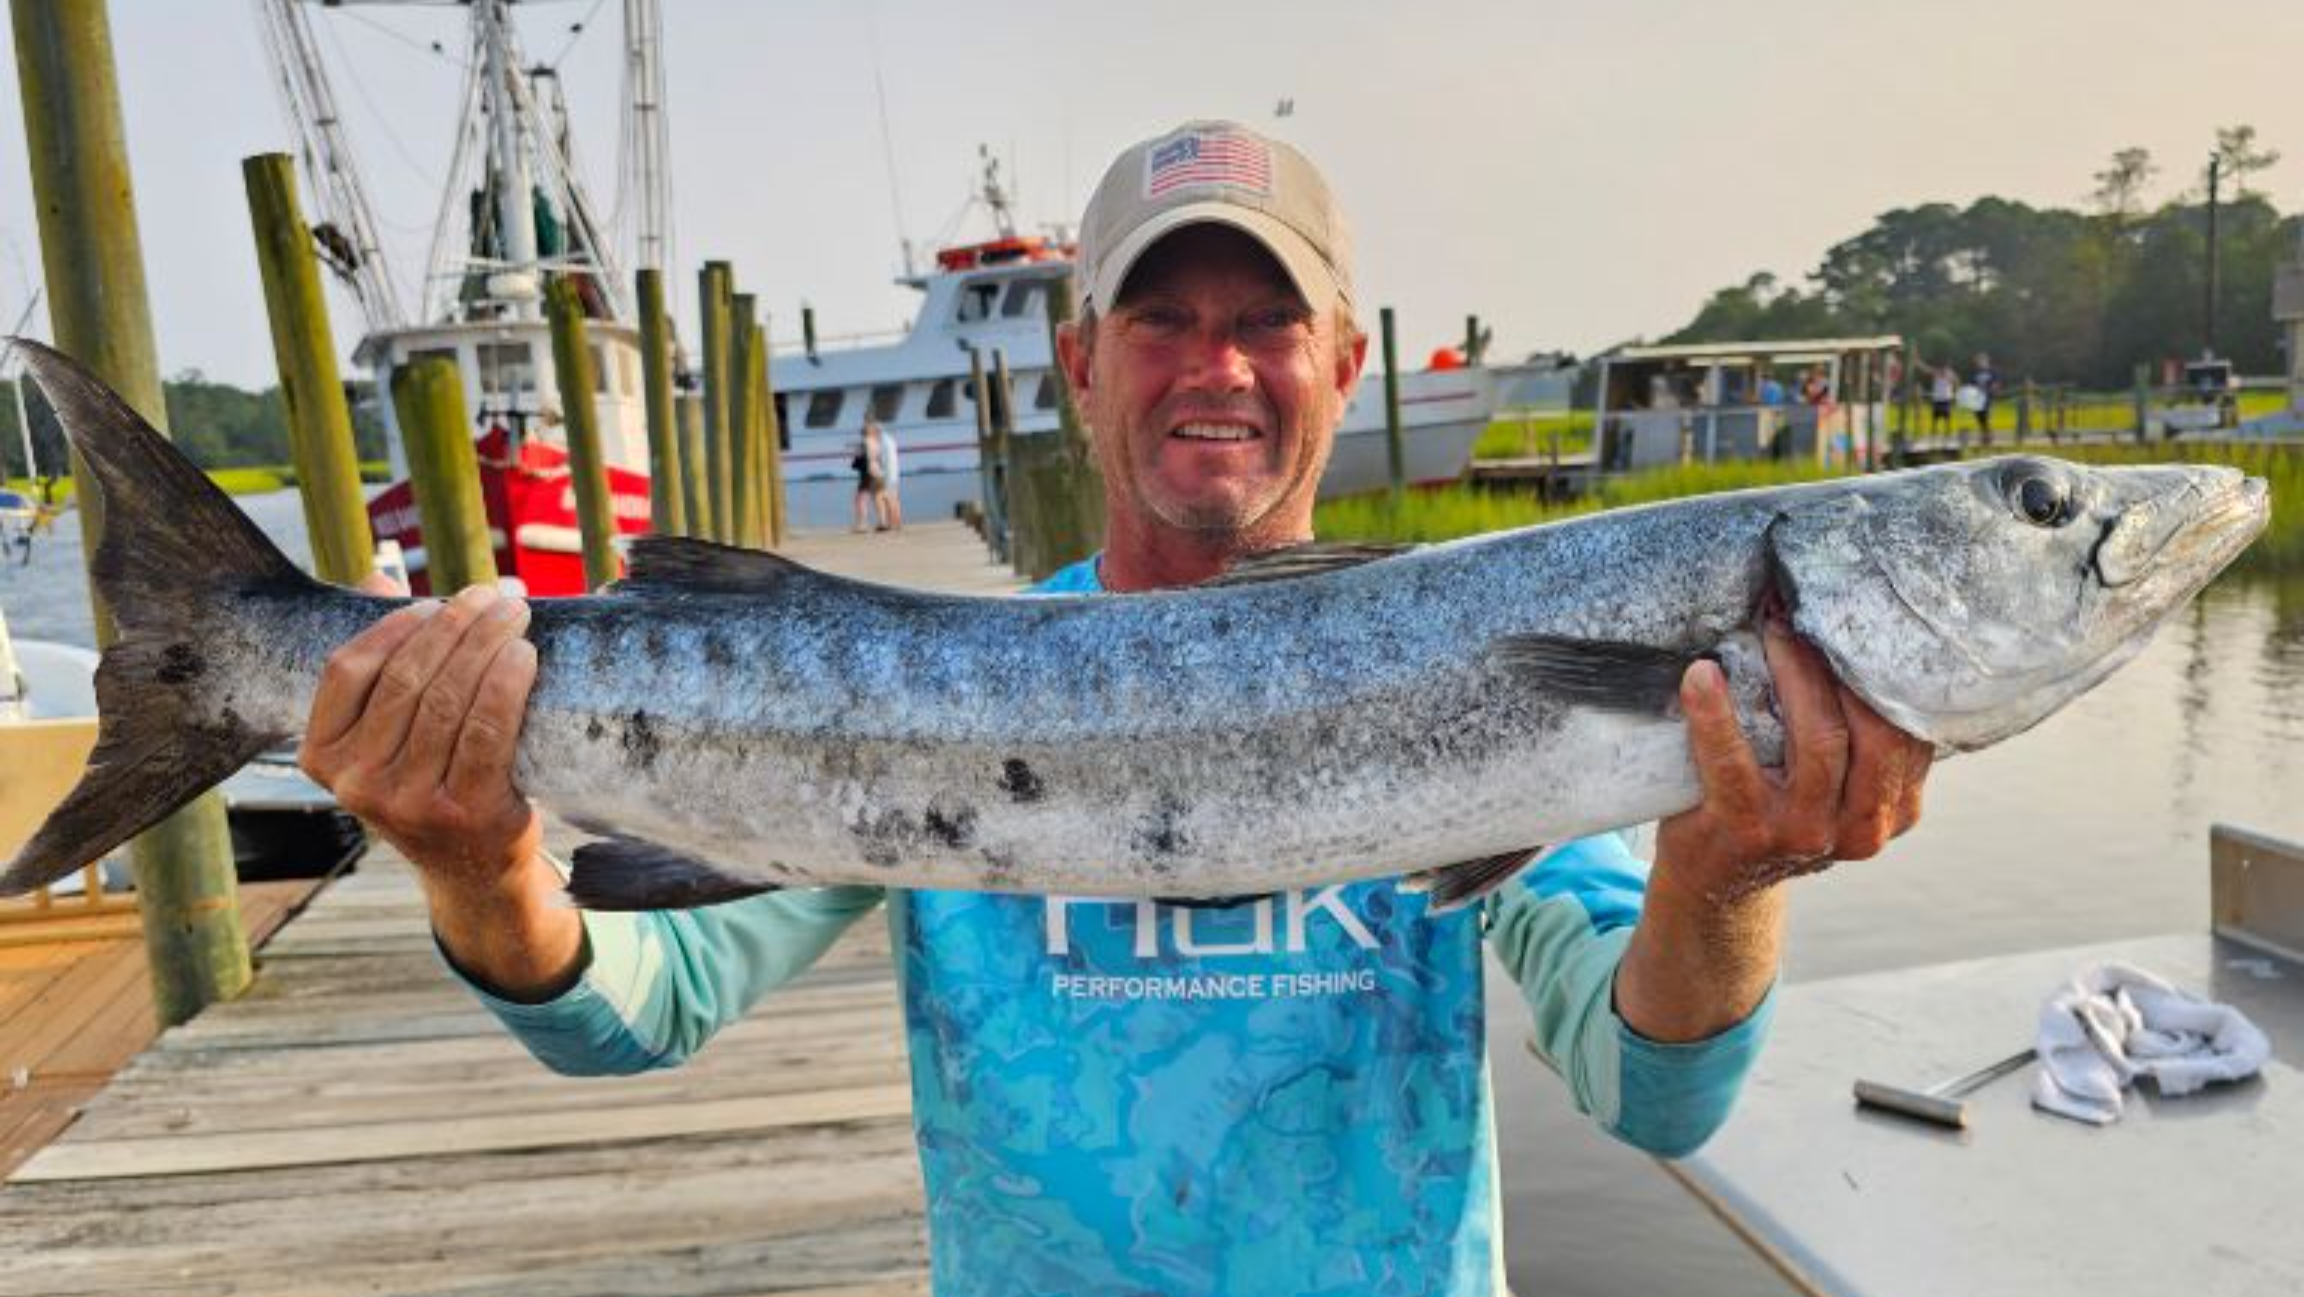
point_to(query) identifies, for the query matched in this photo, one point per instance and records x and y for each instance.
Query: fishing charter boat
(992, 296)
(514, 214)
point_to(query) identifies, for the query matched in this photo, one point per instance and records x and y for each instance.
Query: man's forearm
(1697, 964)
(512, 933)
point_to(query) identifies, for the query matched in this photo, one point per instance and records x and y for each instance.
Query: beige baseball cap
(1226, 173)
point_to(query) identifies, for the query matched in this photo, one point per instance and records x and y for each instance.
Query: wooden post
(1474, 352)
(428, 397)
(667, 503)
(808, 330)
(1900, 451)
(695, 485)
(1079, 486)
(2143, 400)
(587, 468)
(2024, 398)
(1395, 448)
(93, 259)
(988, 465)
(1023, 505)
(712, 301)
(319, 421)
(776, 526)
(743, 435)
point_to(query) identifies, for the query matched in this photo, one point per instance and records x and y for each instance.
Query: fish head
(1968, 602)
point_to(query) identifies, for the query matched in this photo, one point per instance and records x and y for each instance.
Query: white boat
(991, 296)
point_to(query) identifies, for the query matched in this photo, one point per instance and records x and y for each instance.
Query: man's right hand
(415, 728)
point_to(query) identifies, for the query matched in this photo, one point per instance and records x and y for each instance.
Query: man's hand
(1850, 782)
(414, 728)
(1709, 938)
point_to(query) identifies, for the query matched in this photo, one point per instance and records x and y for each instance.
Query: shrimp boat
(514, 214)
(992, 296)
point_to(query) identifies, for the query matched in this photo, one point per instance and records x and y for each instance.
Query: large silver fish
(733, 722)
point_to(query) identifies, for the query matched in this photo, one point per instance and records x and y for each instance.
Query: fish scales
(731, 720)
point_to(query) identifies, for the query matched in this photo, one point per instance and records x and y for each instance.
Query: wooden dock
(356, 1123)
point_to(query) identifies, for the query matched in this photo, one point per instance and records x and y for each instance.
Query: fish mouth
(2201, 540)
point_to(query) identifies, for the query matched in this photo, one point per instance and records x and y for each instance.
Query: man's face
(1214, 391)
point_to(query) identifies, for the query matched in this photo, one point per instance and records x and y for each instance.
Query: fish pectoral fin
(1602, 674)
(1308, 559)
(1453, 887)
(623, 873)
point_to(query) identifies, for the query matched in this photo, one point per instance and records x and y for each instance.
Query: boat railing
(837, 342)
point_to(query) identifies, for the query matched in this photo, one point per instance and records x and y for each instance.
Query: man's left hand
(1850, 781)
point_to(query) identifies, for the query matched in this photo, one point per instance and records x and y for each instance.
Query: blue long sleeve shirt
(1287, 1096)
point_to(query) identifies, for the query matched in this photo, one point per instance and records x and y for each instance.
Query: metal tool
(1938, 1104)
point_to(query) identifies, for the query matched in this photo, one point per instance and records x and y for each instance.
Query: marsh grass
(1446, 513)
(1522, 438)
(255, 480)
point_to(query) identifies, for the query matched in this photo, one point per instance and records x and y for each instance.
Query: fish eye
(2042, 501)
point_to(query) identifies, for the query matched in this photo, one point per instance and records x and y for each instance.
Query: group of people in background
(1945, 390)
(878, 507)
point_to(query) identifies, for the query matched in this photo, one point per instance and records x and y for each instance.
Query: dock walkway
(357, 1124)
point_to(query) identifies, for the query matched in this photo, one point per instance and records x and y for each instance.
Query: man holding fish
(1286, 1094)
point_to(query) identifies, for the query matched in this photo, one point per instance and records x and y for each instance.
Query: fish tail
(174, 547)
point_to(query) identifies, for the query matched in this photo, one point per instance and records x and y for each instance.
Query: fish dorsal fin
(674, 565)
(1456, 886)
(1308, 559)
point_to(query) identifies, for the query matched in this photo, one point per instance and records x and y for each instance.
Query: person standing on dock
(871, 465)
(1286, 1096)
(891, 484)
(1986, 381)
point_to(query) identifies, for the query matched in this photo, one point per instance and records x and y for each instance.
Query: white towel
(2114, 1023)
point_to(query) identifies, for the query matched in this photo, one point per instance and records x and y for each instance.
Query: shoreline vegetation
(1449, 512)
(256, 479)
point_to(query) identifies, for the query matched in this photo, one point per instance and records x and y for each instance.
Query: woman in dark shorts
(871, 475)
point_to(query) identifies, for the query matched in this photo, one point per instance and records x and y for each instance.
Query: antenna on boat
(994, 195)
(888, 142)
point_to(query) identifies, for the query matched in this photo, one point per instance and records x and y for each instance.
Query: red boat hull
(531, 503)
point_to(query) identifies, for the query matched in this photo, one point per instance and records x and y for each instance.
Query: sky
(1577, 174)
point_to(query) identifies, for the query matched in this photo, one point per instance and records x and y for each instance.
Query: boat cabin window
(1045, 399)
(1023, 296)
(507, 369)
(976, 301)
(824, 406)
(887, 399)
(943, 398)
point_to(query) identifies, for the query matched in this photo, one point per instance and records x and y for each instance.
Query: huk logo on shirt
(1275, 925)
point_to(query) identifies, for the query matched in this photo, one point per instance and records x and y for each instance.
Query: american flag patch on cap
(1207, 158)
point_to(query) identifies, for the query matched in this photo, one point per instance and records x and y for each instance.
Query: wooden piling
(304, 345)
(989, 468)
(444, 472)
(713, 289)
(667, 498)
(587, 467)
(93, 260)
(1023, 514)
(1395, 446)
(743, 421)
(1078, 521)
(777, 526)
(695, 484)
(2143, 400)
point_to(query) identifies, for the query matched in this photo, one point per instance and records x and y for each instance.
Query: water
(2090, 829)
